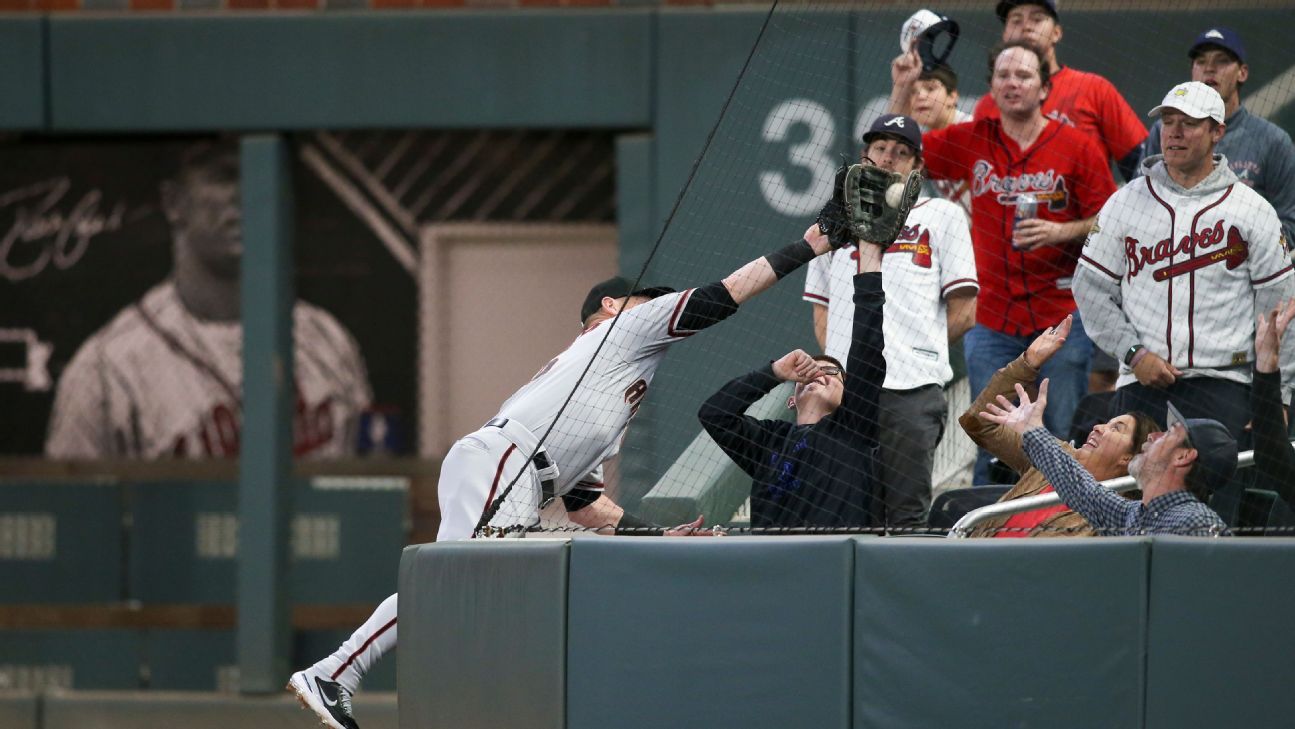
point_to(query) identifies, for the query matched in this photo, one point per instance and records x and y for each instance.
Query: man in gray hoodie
(1258, 151)
(1176, 266)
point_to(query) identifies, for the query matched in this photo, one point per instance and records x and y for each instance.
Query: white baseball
(895, 194)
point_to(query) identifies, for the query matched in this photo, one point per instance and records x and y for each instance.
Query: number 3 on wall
(813, 155)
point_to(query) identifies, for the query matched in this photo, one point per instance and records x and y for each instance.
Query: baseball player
(1035, 185)
(164, 377)
(541, 446)
(1175, 267)
(929, 276)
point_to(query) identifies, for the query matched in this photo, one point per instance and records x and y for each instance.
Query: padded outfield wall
(839, 632)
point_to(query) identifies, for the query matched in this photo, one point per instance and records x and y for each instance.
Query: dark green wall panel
(22, 73)
(340, 70)
(983, 634)
(709, 633)
(483, 634)
(1221, 649)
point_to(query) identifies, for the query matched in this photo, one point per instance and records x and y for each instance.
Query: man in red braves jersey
(1081, 99)
(1024, 257)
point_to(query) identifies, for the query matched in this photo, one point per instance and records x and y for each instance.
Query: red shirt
(1021, 292)
(1020, 525)
(1089, 103)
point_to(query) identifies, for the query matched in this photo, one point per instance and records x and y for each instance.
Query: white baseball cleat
(327, 699)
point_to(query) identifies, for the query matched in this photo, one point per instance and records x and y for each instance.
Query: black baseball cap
(1216, 449)
(896, 126)
(1218, 37)
(1005, 7)
(617, 287)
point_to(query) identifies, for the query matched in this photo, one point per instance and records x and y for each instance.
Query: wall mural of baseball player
(163, 378)
(1175, 268)
(496, 479)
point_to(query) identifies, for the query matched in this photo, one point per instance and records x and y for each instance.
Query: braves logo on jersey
(1044, 186)
(218, 432)
(915, 241)
(1141, 257)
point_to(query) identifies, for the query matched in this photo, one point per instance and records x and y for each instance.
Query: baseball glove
(832, 219)
(871, 219)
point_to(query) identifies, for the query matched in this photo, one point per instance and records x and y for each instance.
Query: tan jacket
(1006, 444)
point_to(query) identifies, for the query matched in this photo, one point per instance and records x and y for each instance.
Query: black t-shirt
(818, 475)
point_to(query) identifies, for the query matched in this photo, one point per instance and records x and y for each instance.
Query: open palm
(1022, 416)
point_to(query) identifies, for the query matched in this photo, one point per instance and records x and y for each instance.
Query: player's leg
(912, 422)
(477, 471)
(326, 687)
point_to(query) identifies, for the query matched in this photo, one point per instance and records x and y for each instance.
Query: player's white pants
(478, 468)
(366, 645)
(475, 471)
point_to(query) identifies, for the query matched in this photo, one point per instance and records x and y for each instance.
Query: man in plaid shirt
(1176, 470)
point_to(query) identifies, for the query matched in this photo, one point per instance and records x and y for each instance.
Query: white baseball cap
(1194, 99)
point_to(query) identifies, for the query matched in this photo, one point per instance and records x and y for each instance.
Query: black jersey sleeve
(709, 304)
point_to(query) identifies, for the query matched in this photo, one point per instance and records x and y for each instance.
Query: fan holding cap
(1258, 151)
(1176, 267)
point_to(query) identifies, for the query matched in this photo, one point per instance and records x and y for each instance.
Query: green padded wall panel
(1221, 647)
(341, 70)
(483, 634)
(22, 73)
(1047, 634)
(742, 632)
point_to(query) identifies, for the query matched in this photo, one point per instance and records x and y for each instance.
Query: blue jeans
(987, 351)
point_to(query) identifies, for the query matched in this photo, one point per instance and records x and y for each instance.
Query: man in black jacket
(818, 471)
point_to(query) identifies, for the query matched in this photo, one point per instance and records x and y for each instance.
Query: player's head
(1019, 79)
(893, 143)
(608, 298)
(824, 393)
(1035, 21)
(1197, 453)
(1191, 123)
(201, 203)
(1219, 61)
(935, 97)
(1113, 444)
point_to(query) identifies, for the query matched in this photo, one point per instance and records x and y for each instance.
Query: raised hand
(1020, 417)
(905, 69)
(1046, 344)
(1268, 334)
(796, 366)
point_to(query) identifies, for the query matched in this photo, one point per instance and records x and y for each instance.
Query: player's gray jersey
(157, 381)
(607, 396)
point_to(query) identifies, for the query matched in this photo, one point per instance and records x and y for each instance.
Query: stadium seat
(952, 505)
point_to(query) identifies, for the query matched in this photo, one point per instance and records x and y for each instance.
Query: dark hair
(1045, 73)
(1143, 426)
(1198, 482)
(832, 361)
(947, 77)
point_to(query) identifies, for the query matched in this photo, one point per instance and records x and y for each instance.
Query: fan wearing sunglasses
(818, 470)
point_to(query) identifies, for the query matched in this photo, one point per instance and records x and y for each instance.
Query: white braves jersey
(1188, 263)
(157, 382)
(607, 396)
(931, 257)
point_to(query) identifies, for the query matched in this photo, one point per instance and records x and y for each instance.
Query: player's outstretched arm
(761, 274)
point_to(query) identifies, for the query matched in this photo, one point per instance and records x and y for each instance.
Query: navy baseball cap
(1005, 7)
(1216, 449)
(1218, 37)
(617, 287)
(896, 126)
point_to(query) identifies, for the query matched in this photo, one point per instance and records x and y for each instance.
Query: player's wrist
(1135, 355)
